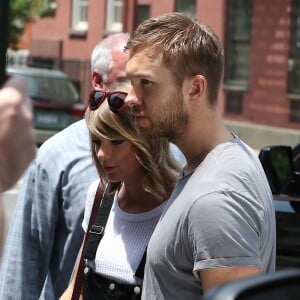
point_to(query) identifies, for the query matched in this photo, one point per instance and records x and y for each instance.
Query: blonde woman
(141, 174)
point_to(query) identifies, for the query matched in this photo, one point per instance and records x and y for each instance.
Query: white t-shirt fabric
(124, 241)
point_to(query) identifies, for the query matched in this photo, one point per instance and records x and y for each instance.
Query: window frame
(80, 24)
(238, 44)
(114, 22)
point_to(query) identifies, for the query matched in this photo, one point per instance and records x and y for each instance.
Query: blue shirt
(45, 234)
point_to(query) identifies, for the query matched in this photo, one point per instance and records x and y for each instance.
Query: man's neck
(198, 140)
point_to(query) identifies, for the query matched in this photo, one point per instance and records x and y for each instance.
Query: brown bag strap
(79, 275)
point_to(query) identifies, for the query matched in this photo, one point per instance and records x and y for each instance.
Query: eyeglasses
(116, 100)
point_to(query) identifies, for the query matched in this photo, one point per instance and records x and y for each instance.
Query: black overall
(95, 286)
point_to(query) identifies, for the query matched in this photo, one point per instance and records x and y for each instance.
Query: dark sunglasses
(116, 100)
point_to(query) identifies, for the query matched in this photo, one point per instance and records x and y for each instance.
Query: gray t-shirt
(220, 215)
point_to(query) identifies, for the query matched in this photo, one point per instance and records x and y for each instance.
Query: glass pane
(238, 41)
(118, 14)
(142, 13)
(294, 75)
(79, 16)
(238, 67)
(50, 88)
(83, 14)
(186, 6)
(234, 102)
(114, 15)
(240, 18)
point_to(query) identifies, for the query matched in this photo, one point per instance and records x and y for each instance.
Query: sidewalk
(258, 136)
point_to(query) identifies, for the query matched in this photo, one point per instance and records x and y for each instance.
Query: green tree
(22, 11)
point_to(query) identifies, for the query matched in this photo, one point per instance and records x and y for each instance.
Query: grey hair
(101, 58)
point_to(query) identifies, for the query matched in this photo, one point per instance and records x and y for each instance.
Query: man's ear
(197, 86)
(97, 81)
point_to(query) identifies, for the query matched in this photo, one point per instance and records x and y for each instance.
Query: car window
(51, 89)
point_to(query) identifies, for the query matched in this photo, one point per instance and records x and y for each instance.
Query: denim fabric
(46, 234)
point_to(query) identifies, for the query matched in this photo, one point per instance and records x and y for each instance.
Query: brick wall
(267, 102)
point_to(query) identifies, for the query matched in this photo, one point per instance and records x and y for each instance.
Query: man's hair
(101, 58)
(188, 47)
(160, 169)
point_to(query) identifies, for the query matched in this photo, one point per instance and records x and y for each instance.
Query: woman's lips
(109, 169)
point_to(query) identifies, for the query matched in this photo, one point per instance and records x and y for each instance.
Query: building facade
(261, 39)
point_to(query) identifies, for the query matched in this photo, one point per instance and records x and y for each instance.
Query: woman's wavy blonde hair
(160, 168)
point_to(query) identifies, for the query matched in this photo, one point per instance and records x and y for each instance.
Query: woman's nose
(100, 154)
(103, 152)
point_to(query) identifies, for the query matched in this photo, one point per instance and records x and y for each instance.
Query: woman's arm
(67, 295)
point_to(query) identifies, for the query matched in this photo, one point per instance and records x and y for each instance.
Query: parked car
(280, 285)
(56, 102)
(281, 166)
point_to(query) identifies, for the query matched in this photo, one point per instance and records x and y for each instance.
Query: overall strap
(139, 273)
(96, 231)
(97, 200)
(79, 276)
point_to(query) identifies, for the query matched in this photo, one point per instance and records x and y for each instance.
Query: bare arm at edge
(213, 277)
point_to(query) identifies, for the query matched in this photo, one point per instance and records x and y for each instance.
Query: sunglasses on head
(116, 100)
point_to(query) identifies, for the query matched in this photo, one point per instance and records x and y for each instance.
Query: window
(142, 13)
(79, 15)
(294, 111)
(186, 6)
(234, 102)
(237, 55)
(294, 61)
(238, 42)
(114, 16)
